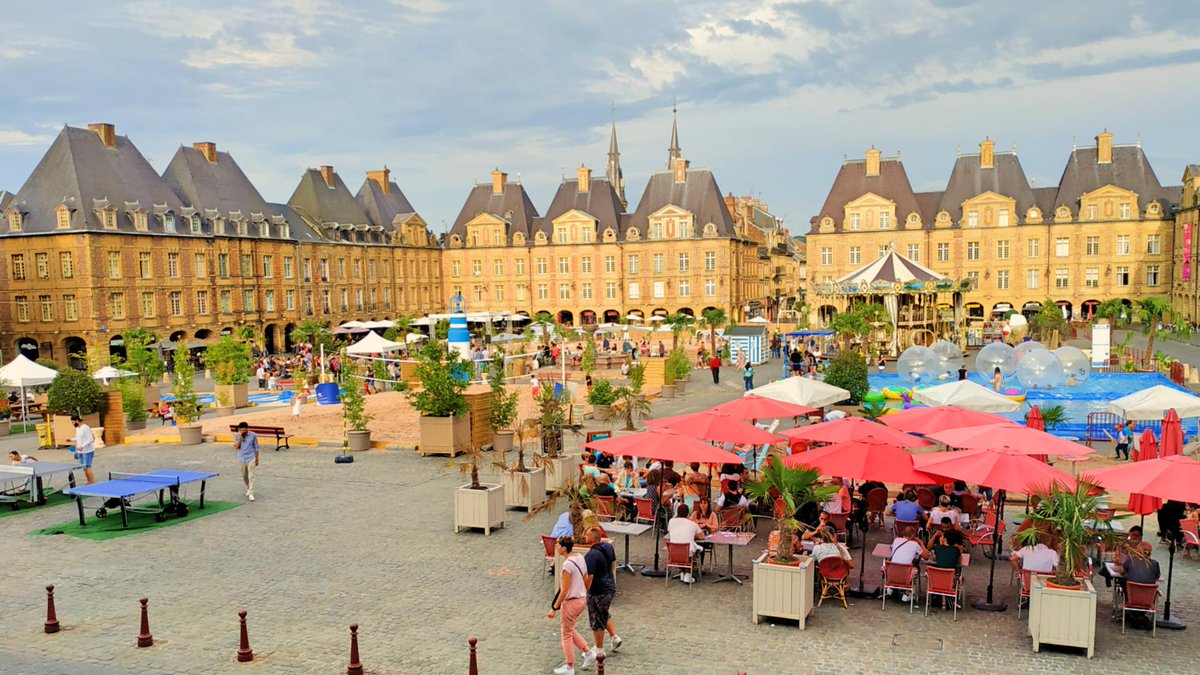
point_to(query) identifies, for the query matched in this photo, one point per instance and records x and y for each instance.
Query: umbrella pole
(1168, 621)
(656, 571)
(989, 605)
(863, 591)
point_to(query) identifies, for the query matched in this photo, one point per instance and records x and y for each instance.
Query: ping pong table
(28, 481)
(126, 488)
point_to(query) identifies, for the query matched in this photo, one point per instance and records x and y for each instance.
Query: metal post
(988, 605)
(144, 638)
(473, 666)
(244, 653)
(355, 667)
(51, 625)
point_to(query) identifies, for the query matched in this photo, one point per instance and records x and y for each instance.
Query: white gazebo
(1153, 403)
(22, 372)
(801, 391)
(373, 343)
(966, 394)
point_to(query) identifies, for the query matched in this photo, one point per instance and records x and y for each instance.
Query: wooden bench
(281, 437)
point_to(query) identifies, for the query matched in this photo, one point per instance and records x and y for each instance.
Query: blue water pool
(256, 399)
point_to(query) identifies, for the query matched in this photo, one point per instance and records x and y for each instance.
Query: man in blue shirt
(907, 509)
(563, 527)
(246, 445)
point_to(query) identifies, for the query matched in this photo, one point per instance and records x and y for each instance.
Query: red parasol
(716, 427)
(755, 407)
(1034, 421)
(1176, 477)
(1172, 434)
(666, 445)
(1141, 504)
(929, 420)
(867, 459)
(998, 468)
(1011, 435)
(854, 429)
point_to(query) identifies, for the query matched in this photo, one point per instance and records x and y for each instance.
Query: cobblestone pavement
(372, 542)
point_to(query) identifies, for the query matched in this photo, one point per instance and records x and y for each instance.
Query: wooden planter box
(479, 508)
(560, 470)
(1064, 617)
(444, 435)
(113, 419)
(64, 431)
(479, 410)
(781, 591)
(523, 490)
(239, 394)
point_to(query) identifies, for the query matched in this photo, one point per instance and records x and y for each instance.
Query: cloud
(278, 50)
(18, 138)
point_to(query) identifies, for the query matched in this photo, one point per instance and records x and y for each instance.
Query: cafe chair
(1141, 598)
(839, 522)
(1191, 537)
(901, 578)
(603, 507)
(898, 527)
(548, 544)
(943, 582)
(645, 510)
(734, 519)
(834, 573)
(876, 505)
(984, 535)
(1023, 592)
(925, 498)
(680, 556)
(970, 506)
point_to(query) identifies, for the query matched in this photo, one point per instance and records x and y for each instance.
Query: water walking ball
(1075, 364)
(917, 365)
(1040, 369)
(950, 357)
(993, 356)
(1027, 347)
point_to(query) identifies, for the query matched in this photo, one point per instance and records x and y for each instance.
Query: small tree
(470, 465)
(848, 370)
(133, 398)
(791, 488)
(678, 322)
(1070, 520)
(637, 378)
(1152, 313)
(602, 393)
(443, 375)
(631, 405)
(187, 408)
(678, 366)
(139, 359)
(848, 326)
(1053, 415)
(230, 361)
(713, 319)
(1049, 319)
(441, 330)
(1113, 310)
(74, 392)
(588, 362)
(315, 333)
(354, 403)
(504, 402)
(551, 416)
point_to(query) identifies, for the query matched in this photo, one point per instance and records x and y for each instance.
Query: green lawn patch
(53, 499)
(103, 529)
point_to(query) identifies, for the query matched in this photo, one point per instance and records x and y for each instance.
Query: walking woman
(572, 600)
(715, 367)
(748, 375)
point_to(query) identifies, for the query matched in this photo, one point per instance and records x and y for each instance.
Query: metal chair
(839, 521)
(898, 527)
(604, 507)
(833, 573)
(645, 510)
(680, 556)
(1141, 598)
(1191, 536)
(548, 543)
(1023, 592)
(898, 577)
(943, 582)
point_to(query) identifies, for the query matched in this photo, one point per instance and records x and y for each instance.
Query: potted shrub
(133, 402)
(524, 485)
(224, 406)
(550, 420)
(1062, 607)
(477, 504)
(73, 392)
(187, 409)
(443, 375)
(354, 410)
(848, 370)
(601, 397)
(679, 369)
(504, 407)
(783, 583)
(147, 364)
(231, 365)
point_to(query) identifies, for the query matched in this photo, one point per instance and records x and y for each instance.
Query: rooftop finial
(674, 152)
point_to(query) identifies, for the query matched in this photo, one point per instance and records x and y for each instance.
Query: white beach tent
(111, 373)
(802, 391)
(966, 394)
(1153, 403)
(373, 343)
(21, 372)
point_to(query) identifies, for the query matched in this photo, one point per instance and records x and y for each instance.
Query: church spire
(674, 152)
(613, 172)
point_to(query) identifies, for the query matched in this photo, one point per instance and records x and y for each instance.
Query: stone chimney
(731, 205)
(328, 174)
(209, 150)
(585, 179)
(680, 168)
(381, 179)
(106, 132)
(1104, 148)
(499, 180)
(873, 161)
(987, 155)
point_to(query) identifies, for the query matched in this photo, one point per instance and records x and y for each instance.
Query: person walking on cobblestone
(246, 445)
(602, 568)
(572, 600)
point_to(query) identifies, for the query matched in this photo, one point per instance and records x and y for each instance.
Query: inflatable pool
(894, 393)
(1015, 393)
(874, 397)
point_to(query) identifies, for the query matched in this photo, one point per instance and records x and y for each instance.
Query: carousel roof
(891, 268)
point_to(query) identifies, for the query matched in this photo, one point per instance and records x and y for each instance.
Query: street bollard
(51, 625)
(354, 667)
(145, 639)
(599, 664)
(473, 668)
(244, 653)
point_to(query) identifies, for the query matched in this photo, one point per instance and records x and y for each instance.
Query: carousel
(923, 306)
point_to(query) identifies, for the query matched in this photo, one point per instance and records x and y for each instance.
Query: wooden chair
(680, 556)
(899, 526)
(1141, 598)
(833, 573)
(943, 582)
(970, 506)
(839, 521)
(925, 498)
(902, 578)
(876, 505)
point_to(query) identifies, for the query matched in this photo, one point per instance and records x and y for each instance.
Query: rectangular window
(70, 308)
(1062, 247)
(660, 289)
(1033, 278)
(67, 261)
(1123, 246)
(268, 267)
(116, 305)
(476, 268)
(610, 290)
(972, 250)
(685, 288)
(973, 277)
(972, 219)
(635, 291)
(498, 267)
(540, 266)
(341, 268)
(22, 303)
(173, 265)
(855, 221)
(42, 264)
(223, 265)
(325, 272)
(48, 307)
(826, 256)
(633, 264)
(289, 300)
(247, 301)
(1122, 276)
(685, 262)
(914, 252)
(1091, 277)
(658, 263)
(144, 264)
(114, 265)
(564, 291)
(1092, 246)
(1091, 212)
(1062, 278)
(1003, 222)
(201, 265)
(1033, 248)
(520, 266)
(564, 265)
(710, 287)
(585, 264)
(1002, 249)
(881, 251)
(1002, 280)
(710, 260)
(227, 302)
(326, 303)
(287, 267)
(543, 292)
(147, 305)
(370, 269)
(855, 255)
(357, 269)
(521, 290)
(1124, 208)
(586, 291)
(943, 252)
(885, 220)
(269, 301)
(1151, 275)
(456, 268)
(560, 235)
(498, 292)
(345, 295)
(176, 300)
(610, 264)
(1153, 244)
(247, 266)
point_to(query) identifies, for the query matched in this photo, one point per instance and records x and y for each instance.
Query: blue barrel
(328, 394)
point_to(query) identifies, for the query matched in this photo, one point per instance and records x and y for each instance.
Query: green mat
(53, 499)
(103, 529)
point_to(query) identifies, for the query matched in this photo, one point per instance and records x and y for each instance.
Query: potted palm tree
(631, 406)
(601, 397)
(443, 375)
(524, 484)
(354, 410)
(231, 364)
(783, 584)
(477, 504)
(187, 409)
(504, 407)
(550, 420)
(679, 369)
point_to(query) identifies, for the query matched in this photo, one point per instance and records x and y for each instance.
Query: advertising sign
(1101, 344)
(1186, 270)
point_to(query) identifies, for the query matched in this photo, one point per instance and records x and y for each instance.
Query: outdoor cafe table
(636, 529)
(730, 539)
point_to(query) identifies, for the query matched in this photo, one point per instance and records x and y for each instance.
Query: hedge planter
(190, 435)
(238, 394)
(502, 441)
(358, 441)
(444, 435)
(222, 411)
(680, 387)
(1061, 616)
(483, 509)
(783, 591)
(561, 469)
(602, 413)
(523, 489)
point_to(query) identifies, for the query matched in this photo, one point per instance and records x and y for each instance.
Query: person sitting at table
(623, 505)
(682, 530)
(730, 472)
(628, 478)
(562, 526)
(695, 484)
(828, 546)
(670, 476)
(732, 496)
(604, 462)
(944, 509)
(1135, 564)
(589, 466)
(960, 490)
(1038, 558)
(907, 550)
(775, 543)
(946, 546)
(820, 529)
(703, 515)
(604, 487)
(587, 486)
(907, 509)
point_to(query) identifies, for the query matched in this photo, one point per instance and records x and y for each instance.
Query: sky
(772, 95)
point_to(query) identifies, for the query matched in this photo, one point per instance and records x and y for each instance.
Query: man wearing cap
(84, 447)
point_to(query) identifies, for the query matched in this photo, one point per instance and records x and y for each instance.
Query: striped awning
(891, 268)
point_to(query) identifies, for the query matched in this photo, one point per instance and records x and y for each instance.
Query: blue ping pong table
(161, 490)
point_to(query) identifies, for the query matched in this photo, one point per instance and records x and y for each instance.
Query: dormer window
(168, 222)
(139, 221)
(943, 217)
(1152, 209)
(885, 220)
(455, 240)
(539, 238)
(62, 217)
(609, 235)
(285, 230)
(710, 230)
(1063, 212)
(242, 228)
(108, 218)
(632, 234)
(14, 221)
(1033, 214)
(913, 218)
(197, 227)
(656, 231)
(518, 239)
(264, 230)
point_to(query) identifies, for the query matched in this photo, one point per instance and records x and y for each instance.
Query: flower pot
(238, 394)
(444, 435)
(482, 508)
(602, 413)
(680, 386)
(190, 434)
(667, 391)
(523, 489)
(561, 469)
(136, 425)
(1062, 616)
(502, 441)
(358, 441)
(222, 411)
(782, 591)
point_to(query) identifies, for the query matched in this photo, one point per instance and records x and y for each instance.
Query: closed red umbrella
(754, 407)
(1172, 434)
(716, 427)
(1141, 504)
(664, 444)
(866, 459)
(1034, 421)
(1011, 435)
(854, 429)
(929, 420)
